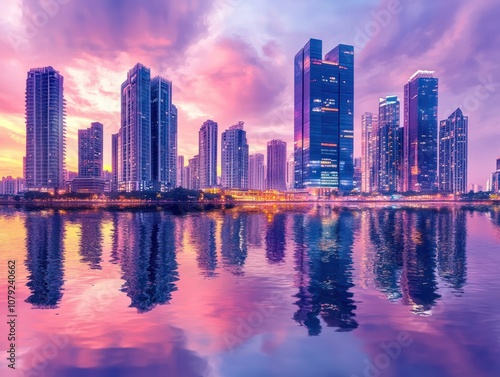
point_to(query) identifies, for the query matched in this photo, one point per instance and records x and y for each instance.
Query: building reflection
(44, 260)
(419, 284)
(323, 261)
(148, 259)
(234, 241)
(451, 247)
(91, 238)
(275, 238)
(202, 231)
(256, 224)
(387, 239)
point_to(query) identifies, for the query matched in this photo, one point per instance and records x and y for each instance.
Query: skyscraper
(389, 146)
(276, 165)
(45, 129)
(256, 178)
(208, 154)
(235, 157)
(290, 172)
(453, 135)
(421, 133)
(180, 181)
(193, 175)
(163, 135)
(323, 117)
(357, 174)
(114, 161)
(135, 132)
(90, 149)
(369, 124)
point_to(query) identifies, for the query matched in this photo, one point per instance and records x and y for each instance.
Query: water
(255, 291)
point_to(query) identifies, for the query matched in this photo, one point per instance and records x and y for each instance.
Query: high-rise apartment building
(389, 146)
(163, 135)
(323, 117)
(114, 161)
(208, 154)
(290, 172)
(420, 157)
(276, 165)
(90, 151)
(256, 178)
(453, 140)
(369, 127)
(45, 129)
(180, 181)
(134, 173)
(235, 157)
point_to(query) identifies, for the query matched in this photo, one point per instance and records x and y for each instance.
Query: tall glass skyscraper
(453, 135)
(163, 135)
(208, 154)
(114, 160)
(135, 132)
(389, 146)
(256, 178)
(420, 144)
(45, 129)
(323, 117)
(90, 149)
(276, 165)
(369, 126)
(235, 157)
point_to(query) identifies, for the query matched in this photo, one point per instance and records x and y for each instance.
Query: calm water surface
(255, 291)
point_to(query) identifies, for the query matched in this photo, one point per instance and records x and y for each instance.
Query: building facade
(134, 173)
(193, 173)
(256, 177)
(369, 124)
(290, 172)
(163, 135)
(234, 157)
(387, 177)
(420, 144)
(276, 165)
(208, 154)
(180, 181)
(90, 151)
(114, 161)
(453, 147)
(323, 117)
(45, 129)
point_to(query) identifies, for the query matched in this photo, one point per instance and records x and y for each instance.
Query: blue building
(163, 135)
(389, 146)
(420, 157)
(235, 157)
(453, 153)
(323, 117)
(134, 172)
(45, 129)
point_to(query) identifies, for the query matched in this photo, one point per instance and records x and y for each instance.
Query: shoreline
(197, 206)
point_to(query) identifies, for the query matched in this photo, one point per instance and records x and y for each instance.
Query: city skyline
(95, 62)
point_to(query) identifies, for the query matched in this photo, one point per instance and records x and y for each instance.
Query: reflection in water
(91, 239)
(419, 259)
(405, 252)
(44, 258)
(327, 240)
(452, 240)
(148, 259)
(234, 241)
(202, 230)
(386, 236)
(275, 238)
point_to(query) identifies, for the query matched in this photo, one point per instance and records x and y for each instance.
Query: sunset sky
(232, 60)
